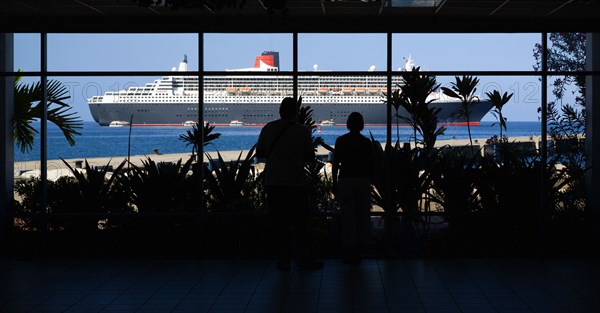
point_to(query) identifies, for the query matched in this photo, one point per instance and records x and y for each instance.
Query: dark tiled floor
(256, 286)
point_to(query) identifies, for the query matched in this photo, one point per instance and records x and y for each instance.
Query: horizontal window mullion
(286, 73)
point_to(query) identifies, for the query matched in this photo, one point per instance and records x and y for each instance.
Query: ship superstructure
(254, 100)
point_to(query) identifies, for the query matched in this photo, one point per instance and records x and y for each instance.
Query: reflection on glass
(415, 3)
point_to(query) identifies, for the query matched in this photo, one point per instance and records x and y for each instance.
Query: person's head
(355, 122)
(288, 109)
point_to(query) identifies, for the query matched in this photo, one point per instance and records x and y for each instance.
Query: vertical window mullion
(388, 127)
(544, 131)
(295, 65)
(200, 152)
(44, 121)
(388, 121)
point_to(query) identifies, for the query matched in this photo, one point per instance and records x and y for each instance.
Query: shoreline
(527, 143)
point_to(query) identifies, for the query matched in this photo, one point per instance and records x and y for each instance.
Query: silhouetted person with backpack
(353, 161)
(285, 146)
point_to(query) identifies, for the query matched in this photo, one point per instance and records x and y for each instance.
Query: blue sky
(161, 52)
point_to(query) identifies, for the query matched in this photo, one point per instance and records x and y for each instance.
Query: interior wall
(6, 142)
(593, 135)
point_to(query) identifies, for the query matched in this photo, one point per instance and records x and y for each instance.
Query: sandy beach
(57, 166)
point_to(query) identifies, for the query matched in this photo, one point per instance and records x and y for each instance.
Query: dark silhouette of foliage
(194, 137)
(99, 193)
(157, 187)
(412, 95)
(464, 89)
(230, 184)
(566, 121)
(321, 198)
(566, 52)
(499, 101)
(28, 107)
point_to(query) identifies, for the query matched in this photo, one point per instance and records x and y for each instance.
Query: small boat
(347, 90)
(327, 123)
(190, 123)
(323, 90)
(236, 123)
(118, 124)
(231, 89)
(374, 90)
(245, 90)
(360, 90)
(319, 129)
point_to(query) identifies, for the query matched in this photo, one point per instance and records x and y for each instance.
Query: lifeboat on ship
(347, 90)
(245, 90)
(326, 123)
(231, 89)
(360, 90)
(236, 123)
(323, 90)
(374, 90)
(118, 124)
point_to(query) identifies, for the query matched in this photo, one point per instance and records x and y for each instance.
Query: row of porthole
(258, 115)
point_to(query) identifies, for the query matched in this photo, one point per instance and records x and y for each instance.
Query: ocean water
(97, 141)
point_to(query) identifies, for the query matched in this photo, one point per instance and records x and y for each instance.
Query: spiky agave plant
(97, 191)
(229, 184)
(157, 187)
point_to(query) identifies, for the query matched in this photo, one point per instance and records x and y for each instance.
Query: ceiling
(298, 15)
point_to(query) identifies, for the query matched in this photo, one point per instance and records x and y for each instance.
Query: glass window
(27, 52)
(248, 52)
(520, 112)
(121, 52)
(342, 52)
(465, 52)
(566, 52)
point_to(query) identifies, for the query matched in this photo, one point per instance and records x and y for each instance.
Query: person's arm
(309, 150)
(261, 149)
(335, 167)
(369, 159)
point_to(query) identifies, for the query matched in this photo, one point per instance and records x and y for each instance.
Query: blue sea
(97, 141)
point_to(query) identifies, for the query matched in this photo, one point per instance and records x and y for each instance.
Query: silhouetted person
(353, 159)
(285, 146)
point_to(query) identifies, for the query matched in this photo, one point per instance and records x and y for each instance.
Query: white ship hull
(254, 100)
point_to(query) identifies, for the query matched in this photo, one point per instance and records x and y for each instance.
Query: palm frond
(28, 107)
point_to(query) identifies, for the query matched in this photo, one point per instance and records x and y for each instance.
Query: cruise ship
(253, 100)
